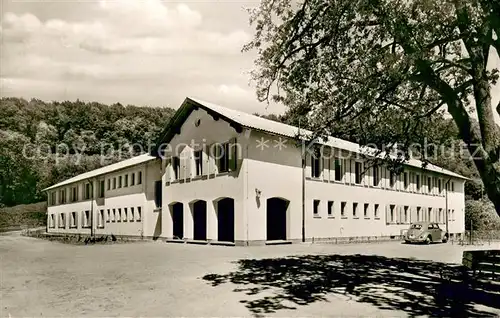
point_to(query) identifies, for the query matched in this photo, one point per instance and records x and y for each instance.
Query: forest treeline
(42, 143)
(34, 135)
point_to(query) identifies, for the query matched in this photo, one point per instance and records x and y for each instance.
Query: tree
(388, 66)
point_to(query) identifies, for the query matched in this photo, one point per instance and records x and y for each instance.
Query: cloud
(129, 51)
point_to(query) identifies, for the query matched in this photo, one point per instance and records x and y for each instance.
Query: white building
(228, 176)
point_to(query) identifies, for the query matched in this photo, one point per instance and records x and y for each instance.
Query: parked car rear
(425, 232)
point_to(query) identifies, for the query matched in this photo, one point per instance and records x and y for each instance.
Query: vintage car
(425, 232)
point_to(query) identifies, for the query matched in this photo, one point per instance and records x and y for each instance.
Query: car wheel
(428, 240)
(445, 238)
(407, 242)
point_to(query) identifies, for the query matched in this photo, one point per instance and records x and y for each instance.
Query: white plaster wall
(277, 173)
(212, 186)
(138, 195)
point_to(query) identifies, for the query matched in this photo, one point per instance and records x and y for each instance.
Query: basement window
(355, 210)
(365, 210)
(376, 211)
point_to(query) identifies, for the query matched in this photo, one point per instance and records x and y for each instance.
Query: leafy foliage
(384, 71)
(43, 143)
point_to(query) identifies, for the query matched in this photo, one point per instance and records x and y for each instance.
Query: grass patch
(23, 216)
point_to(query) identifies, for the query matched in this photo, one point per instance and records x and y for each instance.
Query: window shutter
(188, 163)
(233, 155)
(308, 164)
(326, 169)
(182, 168)
(387, 214)
(168, 169)
(332, 168)
(206, 160)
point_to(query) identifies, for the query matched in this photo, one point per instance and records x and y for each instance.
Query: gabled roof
(104, 170)
(238, 120)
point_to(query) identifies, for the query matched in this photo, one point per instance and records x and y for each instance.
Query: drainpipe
(91, 181)
(446, 203)
(303, 195)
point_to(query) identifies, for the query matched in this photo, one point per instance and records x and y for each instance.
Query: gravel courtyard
(156, 279)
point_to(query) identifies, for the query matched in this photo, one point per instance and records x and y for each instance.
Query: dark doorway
(225, 220)
(178, 220)
(200, 220)
(276, 219)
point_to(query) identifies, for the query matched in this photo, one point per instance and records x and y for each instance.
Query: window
(429, 214)
(138, 213)
(392, 180)
(132, 179)
(125, 216)
(439, 186)
(418, 213)
(418, 182)
(114, 183)
(222, 157)
(376, 178)
(52, 221)
(440, 216)
(198, 161)
(74, 194)
(330, 208)
(405, 214)
(113, 216)
(355, 210)
(358, 170)
(365, 210)
(429, 184)
(53, 198)
(139, 177)
(119, 215)
(376, 211)
(452, 186)
(73, 220)
(126, 180)
(109, 184)
(176, 165)
(86, 218)
(100, 220)
(132, 214)
(158, 193)
(338, 170)
(316, 207)
(108, 219)
(315, 166)
(87, 191)
(392, 212)
(62, 196)
(119, 181)
(342, 208)
(405, 180)
(101, 189)
(62, 221)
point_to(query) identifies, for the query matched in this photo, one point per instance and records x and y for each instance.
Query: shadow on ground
(416, 287)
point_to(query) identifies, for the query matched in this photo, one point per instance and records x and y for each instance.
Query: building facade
(118, 199)
(233, 178)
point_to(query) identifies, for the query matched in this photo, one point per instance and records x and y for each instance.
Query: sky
(148, 52)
